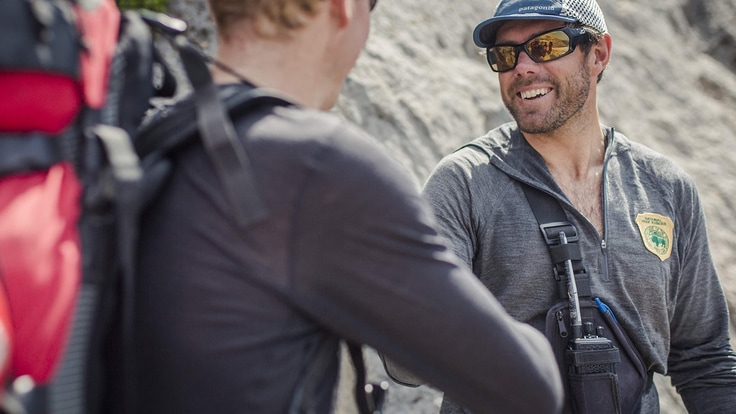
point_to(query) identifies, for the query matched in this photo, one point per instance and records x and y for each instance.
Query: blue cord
(605, 309)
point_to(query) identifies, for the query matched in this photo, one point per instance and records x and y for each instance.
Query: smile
(535, 93)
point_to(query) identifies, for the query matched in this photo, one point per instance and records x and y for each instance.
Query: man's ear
(602, 53)
(342, 11)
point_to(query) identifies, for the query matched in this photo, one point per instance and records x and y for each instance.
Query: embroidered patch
(656, 232)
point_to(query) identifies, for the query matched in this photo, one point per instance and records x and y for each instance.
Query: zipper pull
(561, 324)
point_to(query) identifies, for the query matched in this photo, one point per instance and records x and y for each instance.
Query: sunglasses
(373, 4)
(543, 47)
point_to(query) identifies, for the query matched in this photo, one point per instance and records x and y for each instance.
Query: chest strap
(553, 221)
(29, 152)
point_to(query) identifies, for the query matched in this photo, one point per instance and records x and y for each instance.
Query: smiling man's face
(542, 97)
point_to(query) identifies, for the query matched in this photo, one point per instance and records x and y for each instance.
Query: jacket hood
(509, 151)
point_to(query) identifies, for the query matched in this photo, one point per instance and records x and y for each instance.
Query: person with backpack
(260, 254)
(556, 207)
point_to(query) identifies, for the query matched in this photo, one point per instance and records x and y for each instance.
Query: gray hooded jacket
(652, 266)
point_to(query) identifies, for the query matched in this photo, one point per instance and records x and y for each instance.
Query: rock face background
(422, 89)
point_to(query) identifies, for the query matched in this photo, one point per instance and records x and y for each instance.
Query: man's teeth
(534, 93)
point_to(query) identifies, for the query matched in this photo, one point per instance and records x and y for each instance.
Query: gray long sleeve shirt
(652, 266)
(228, 320)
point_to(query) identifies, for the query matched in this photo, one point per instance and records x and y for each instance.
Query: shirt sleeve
(702, 363)
(369, 264)
(447, 191)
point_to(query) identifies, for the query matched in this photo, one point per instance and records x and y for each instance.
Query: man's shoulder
(647, 158)
(644, 166)
(326, 144)
(479, 161)
(490, 148)
(484, 147)
(262, 112)
(301, 126)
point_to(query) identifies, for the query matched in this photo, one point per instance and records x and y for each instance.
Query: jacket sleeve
(447, 191)
(702, 363)
(370, 265)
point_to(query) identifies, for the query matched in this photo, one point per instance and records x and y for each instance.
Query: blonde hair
(269, 17)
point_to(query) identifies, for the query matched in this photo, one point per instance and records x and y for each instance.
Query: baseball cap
(586, 12)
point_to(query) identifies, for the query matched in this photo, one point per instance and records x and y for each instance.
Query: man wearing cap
(641, 227)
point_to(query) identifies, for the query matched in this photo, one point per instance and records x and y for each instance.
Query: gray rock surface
(422, 89)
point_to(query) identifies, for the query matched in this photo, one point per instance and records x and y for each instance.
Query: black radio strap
(552, 220)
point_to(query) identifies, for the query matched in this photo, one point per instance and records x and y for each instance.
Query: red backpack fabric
(40, 265)
(44, 95)
(56, 87)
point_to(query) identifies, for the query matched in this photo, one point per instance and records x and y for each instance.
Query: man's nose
(525, 64)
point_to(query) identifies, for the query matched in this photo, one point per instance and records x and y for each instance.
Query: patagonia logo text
(528, 9)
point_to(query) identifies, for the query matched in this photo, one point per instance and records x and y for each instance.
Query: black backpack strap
(311, 381)
(23, 153)
(368, 397)
(552, 221)
(170, 129)
(220, 140)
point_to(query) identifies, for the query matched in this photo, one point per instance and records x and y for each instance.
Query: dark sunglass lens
(502, 58)
(373, 4)
(549, 46)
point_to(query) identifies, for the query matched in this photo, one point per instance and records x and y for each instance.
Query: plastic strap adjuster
(551, 232)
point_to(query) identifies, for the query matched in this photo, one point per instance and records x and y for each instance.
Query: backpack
(76, 82)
